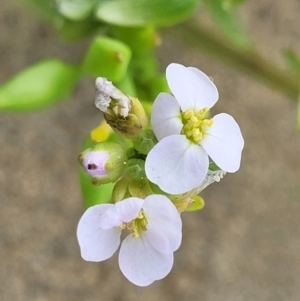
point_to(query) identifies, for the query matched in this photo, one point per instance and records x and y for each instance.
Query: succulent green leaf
(75, 9)
(144, 12)
(141, 40)
(108, 58)
(38, 86)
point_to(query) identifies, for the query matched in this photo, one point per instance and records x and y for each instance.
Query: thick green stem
(246, 59)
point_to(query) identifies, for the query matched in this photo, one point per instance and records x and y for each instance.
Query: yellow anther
(137, 225)
(187, 127)
(202, 113)
(188, 114)
(193, 120)
(194, 126)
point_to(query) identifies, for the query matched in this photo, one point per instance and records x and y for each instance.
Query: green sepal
(198, 204)
(38, 86)
(135, 169)
(145, 141)
(108, 58)
(120, 191)
(140, 188)
(213, 166)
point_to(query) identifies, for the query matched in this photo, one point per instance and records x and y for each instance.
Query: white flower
(179, 162)
(146, 255)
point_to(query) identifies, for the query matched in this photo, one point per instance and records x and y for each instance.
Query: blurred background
(244, 245)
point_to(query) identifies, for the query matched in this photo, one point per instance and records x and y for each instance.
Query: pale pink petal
(164, 224)
(224, 142)
(176, 165)
(96, 244)
(165, 116)
(205, 91)
(123, 211)
(141, 263)
(192, 88)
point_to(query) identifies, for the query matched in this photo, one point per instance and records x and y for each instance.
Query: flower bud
(136, 169)
(144, 142)
(104, 162)
(120, 190)
(123, 113)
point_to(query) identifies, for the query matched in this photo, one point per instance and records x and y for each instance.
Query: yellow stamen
(195, 125)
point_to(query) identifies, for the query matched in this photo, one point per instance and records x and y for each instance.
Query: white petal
(176, 165)
(165, 116)
(224, 142)
(164, 224)
(205, 91)
(123, 211)
(180, 85)
(141, 263)
(96, 244)
(192, 88)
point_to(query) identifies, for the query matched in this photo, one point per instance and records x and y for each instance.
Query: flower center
(136, 226)
(195, 125)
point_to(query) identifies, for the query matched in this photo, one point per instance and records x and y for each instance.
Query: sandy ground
(243, 246)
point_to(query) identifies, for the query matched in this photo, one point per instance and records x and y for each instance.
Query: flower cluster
(160, 176)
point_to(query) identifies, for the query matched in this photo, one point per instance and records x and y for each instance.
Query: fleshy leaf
(144, 12)
(75, 10)
(38, 86)
(108, 58)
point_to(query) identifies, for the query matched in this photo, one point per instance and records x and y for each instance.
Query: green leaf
(39, 86)
(292, 59)
(145, 12)
(141, 40)
(228, 22)
(75, 30)
(108, 58)
(75, 9)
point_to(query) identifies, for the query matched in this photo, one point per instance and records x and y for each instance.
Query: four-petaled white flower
(180, 160)
(145, 255)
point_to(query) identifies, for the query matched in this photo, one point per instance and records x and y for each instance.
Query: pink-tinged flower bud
(104, 162)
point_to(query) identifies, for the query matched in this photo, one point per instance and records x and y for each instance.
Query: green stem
(247, 59)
